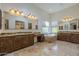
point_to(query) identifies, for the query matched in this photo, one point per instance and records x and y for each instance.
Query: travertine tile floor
(58, 48)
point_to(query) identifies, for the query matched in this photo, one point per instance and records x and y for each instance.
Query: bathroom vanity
(69, 31)
(12, 42)
(68, 36)
(16, 32)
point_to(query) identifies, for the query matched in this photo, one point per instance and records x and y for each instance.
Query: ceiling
(53, 7)
(47, 7)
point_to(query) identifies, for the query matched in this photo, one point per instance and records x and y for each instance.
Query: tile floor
(58, 48)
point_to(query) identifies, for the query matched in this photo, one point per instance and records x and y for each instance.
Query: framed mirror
(7, 24)
(29, 25)
(36, 27)
(73, 26)
(0, 19)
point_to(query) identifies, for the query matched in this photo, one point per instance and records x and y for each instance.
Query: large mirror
(30, 26)
(12, 22)
(73, 26)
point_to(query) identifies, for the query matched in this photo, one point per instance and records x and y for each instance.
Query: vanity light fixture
(12, 11)
(16, 12)
(32, 17)
(67, 18)
(29, 16)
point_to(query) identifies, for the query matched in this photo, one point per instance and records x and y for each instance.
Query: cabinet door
(25, 41)
(6, 44)
(0, 18)
(3, 45)
(9, 43)
(64, 36)
(17, 42)
(61, 36)
(31, 39)
(0, 45)
(67, 37)
(75, 38)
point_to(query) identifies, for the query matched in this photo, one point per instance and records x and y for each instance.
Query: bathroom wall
(29, 8)
(71, 11)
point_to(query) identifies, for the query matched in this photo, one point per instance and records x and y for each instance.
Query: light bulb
(35, 18)
(29, 16)
(12, 11)
(22, 14)
(17, 13)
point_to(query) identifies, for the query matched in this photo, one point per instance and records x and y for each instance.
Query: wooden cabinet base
(69, 37)
(12, 43)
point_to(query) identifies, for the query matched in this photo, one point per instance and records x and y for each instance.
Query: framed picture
(19, 24)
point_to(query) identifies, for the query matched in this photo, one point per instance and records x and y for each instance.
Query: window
(46, 23)
(54, 29)
(45, 28)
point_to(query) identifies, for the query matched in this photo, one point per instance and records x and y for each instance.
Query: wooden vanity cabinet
(69, 37)
(16, 42)
(31, 39)
(22, 41)
(25, 41)
(63, 36)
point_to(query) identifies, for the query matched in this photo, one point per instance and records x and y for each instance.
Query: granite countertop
(69, 32)
(51, 35)
(4, 35)
(15, 34)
